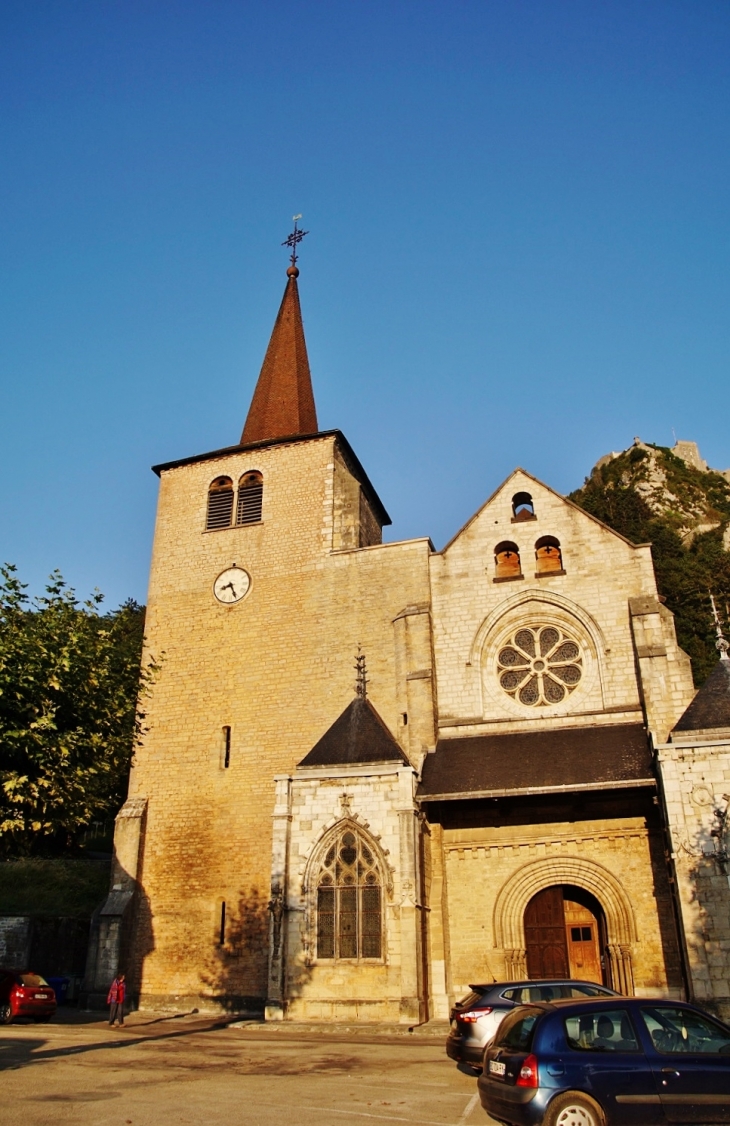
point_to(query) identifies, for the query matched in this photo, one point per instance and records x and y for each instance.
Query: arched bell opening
(566, 936)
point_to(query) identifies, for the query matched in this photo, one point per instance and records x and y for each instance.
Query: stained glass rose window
(540, 665)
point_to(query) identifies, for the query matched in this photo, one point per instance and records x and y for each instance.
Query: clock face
(232, 585)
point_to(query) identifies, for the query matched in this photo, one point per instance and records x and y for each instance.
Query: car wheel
(6, 1013)
(574, 1109)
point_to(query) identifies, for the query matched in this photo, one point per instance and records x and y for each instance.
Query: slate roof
(358, 736)
(711, 706)
(538, 762)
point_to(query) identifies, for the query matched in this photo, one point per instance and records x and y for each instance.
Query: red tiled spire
(283, 402)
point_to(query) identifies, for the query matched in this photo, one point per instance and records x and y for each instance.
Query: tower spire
(283, 401)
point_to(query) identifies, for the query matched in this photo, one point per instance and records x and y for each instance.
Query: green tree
(71, 712)
(685, 573)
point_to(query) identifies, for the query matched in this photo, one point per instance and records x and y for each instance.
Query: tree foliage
(686, 572)
(69, 716)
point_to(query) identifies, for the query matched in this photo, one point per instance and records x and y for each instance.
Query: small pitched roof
(283, 402)
(358, 736)
(711, 706)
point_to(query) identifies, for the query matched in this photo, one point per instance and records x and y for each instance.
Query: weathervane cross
(294, 239)
(721, 644)
(361, 675)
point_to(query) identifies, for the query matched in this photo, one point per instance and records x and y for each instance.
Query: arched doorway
(565, 934)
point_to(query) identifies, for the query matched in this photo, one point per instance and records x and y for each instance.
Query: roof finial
(361, 677)
(721, 644)
(293, 240)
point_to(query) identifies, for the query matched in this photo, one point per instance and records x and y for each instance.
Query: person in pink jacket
(115, 999)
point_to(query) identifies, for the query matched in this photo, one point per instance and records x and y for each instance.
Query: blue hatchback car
(624, 1061)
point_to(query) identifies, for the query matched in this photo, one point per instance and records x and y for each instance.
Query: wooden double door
(564, 934)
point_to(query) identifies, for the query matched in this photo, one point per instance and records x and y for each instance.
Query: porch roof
(573, 758)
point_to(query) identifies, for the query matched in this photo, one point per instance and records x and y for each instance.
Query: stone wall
(277, 669)
(475, 612)
(696, 792)
(491, 874)
(313, 806)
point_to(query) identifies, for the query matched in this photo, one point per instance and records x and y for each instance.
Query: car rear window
(525, 994)
(516, 1031)
(31, 980)
(470, 1000)
(607, 1030)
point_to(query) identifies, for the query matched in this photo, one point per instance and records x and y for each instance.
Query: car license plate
(497, 1068)
(41, 996)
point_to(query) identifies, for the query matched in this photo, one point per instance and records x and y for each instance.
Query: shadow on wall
(120, 938)
(235, 978)
(708, 874)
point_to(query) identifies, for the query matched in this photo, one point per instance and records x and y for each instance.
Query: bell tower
(259, 590)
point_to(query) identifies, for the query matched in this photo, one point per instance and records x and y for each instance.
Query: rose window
(540, 665)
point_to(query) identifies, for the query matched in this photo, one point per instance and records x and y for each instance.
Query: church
(375, 773)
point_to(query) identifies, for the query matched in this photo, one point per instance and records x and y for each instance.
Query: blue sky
(518, 252)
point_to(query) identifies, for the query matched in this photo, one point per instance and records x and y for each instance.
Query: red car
(25, 995)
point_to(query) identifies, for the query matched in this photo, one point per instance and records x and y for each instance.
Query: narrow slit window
(220, 504)
(222, 930)
(507, 561)
(250, 499)
(226, 747)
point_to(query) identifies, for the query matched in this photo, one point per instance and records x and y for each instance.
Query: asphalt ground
(194, 1071)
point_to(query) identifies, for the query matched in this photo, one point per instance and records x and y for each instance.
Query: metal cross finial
(361, 678)
(294, 239)
(721, 644)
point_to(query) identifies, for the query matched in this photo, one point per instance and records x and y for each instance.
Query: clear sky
(518, 252)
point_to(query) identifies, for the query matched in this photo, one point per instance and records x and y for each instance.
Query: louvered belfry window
(250, 498)
(349, 905)
(220, 504)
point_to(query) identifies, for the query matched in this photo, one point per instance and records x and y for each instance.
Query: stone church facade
(480, 799)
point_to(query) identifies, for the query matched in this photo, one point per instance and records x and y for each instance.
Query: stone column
(415, 682)
(412, 1004)
(111, 926)
(438, 938)
(278, 903)
(515, 964)
(622, 970)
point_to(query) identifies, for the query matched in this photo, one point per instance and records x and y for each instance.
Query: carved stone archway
(515, 894)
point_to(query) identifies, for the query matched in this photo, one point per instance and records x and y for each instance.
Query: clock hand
(230, 586)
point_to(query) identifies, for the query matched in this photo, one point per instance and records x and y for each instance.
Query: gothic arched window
(349, 900)
(250, 498)
(220, 504)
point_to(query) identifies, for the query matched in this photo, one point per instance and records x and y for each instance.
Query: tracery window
(540, 665)
(220, 504)
(349, 901)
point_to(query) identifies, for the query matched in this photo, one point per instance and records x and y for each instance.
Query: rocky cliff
(673, 500)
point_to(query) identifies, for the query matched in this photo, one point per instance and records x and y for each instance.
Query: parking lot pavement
(193, 1071)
